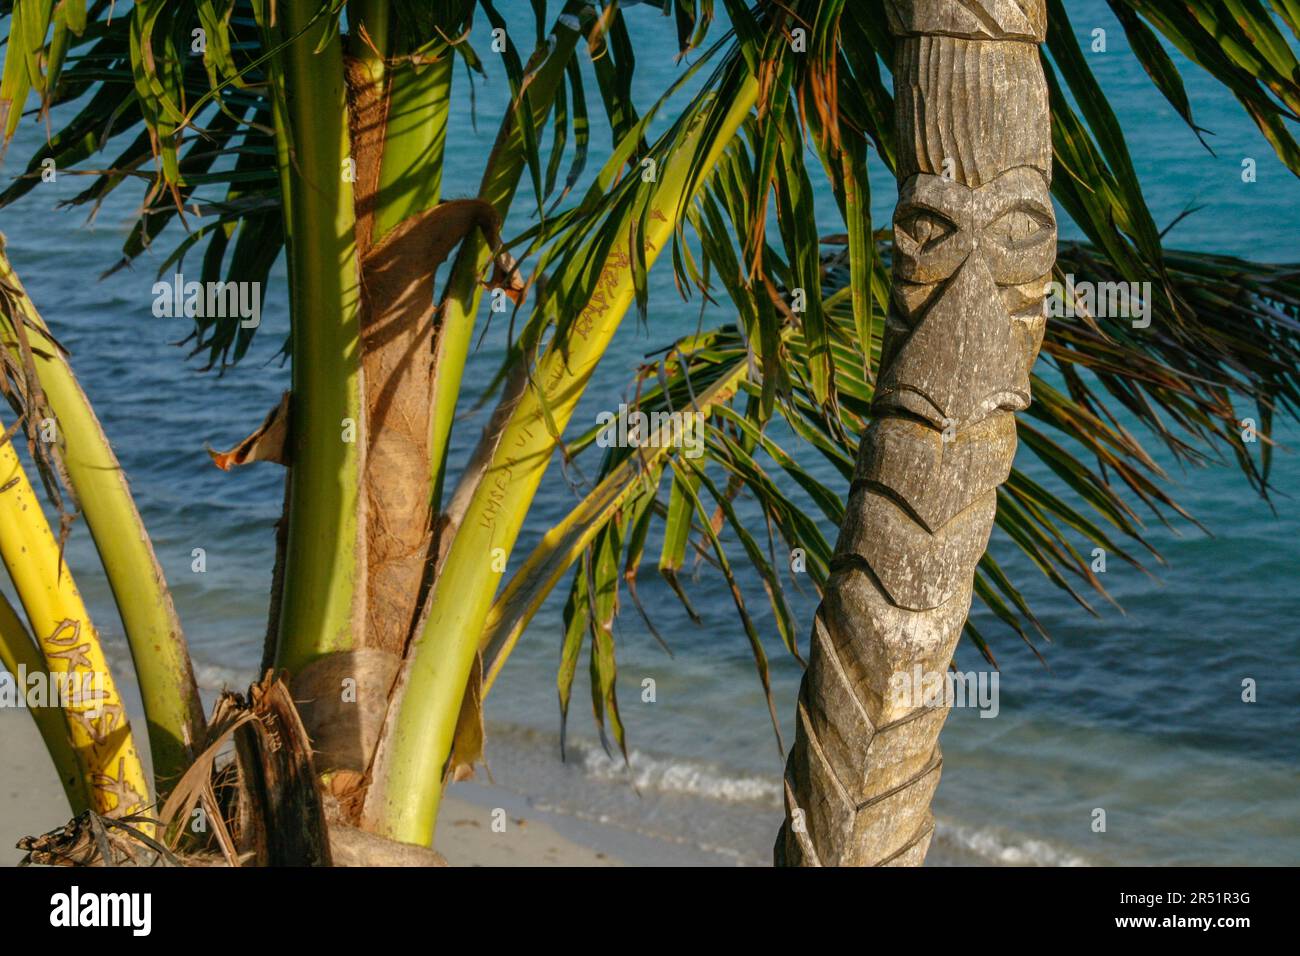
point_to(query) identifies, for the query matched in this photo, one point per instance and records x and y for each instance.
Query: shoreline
(32, 802)
(525, 816)
(490, 824)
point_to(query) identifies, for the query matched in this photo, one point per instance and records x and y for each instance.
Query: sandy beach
(32, 802)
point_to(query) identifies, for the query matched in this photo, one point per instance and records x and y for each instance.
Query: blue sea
(1138, 711)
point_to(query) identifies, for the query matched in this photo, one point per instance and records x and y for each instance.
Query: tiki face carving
(970, 267)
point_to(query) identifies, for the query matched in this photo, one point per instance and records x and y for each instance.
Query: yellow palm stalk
(73, 655)
(20, 657)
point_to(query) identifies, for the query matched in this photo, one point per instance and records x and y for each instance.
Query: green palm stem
(369, 24)
(408, 776)
(415, 124)
(374, 17)
(322, 603)
(173, 709)
(500, 180)
(410, 173)
(566, 541)
(19, 655)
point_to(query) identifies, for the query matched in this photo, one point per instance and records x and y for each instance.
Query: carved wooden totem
(974, 243)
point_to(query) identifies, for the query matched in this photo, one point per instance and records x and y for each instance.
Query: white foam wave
(680, 776)
(215, 677)
(999, 847)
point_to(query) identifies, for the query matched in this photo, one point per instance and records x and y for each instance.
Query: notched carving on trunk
(974, 243)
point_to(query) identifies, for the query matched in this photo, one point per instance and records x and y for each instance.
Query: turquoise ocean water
(1139, 713)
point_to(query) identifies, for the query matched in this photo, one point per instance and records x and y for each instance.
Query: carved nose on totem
(961, 360)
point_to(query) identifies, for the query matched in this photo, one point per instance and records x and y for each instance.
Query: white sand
(478, 826)
(31, 798)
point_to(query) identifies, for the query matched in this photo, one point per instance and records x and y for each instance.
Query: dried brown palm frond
(93, 839)
(252, 798)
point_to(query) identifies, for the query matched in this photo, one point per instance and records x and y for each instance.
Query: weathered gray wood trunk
(974, 244)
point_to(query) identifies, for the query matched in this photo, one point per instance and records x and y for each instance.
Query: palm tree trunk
(73, 654)
(172, 707)
(975, 239)
(403, 799)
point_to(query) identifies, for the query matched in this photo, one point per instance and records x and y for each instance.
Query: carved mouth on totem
(916, 404)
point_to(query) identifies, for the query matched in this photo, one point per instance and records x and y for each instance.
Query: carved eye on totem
(1018, 231)
(925, 227)
(1019, 228)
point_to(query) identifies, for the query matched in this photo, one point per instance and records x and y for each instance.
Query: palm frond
(1104, 384)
